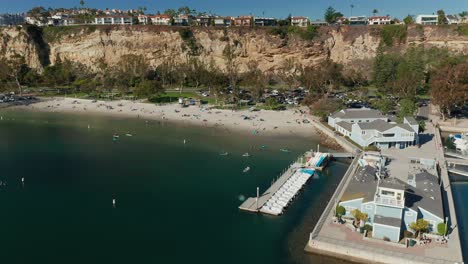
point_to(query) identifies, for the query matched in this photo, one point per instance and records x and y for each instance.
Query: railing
(389, 201)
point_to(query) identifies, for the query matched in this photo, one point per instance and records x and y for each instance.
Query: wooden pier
(252, 204)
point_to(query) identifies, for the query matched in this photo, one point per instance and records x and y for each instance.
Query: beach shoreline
(265, 122)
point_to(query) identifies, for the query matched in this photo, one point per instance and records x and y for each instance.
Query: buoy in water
(184, 141)
(22, 180)
(113, 202)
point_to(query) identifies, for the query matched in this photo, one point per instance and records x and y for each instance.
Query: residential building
(38, 21)
(265, 21)
(341, 20)
(318, 23)
(144, 19)
(162, 20)
(204, 21)
(11, 19)
(393, 203)
(114, 20)
(243, 21)
(357, 20)
(300, 21)
(427, 19)
(379, 20)
(68, 21)
(183, 20)
(223, 21)
(367, 127)
(452, 19)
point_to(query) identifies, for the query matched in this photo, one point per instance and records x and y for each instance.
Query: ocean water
(175, 202)
(460, 195)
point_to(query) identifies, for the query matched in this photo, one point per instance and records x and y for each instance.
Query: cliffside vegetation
(400, 73)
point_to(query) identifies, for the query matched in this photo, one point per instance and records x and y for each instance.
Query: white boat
(129, 135)
(246, 154)
(223, 153)
(246, 169)
(460, 142)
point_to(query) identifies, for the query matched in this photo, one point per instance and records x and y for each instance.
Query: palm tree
(82, 3)
(420, 226)
(375, 11)
(352, 6)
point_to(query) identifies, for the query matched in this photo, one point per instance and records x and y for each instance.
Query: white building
(300, 21)
(427, 19)
(144, 19)
(357, 20)
(162, 20)
(11, 19)
(114, 20)
(452, 19)
(318, 23)
(379, 20)
(368, 127)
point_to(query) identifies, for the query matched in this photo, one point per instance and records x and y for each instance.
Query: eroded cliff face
(96, 47)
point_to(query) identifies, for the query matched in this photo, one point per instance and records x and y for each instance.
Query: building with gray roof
(393, 203)
(368, 127)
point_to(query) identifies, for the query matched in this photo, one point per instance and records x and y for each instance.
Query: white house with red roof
(379, 20)
(300, 21)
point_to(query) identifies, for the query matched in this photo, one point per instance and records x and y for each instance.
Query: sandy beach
(257, 122)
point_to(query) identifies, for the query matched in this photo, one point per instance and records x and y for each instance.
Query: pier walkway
(343, 155)
(252, 205)
(458, 172)
(454, 154)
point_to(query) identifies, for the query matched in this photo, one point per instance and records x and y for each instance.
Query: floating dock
(281, 193)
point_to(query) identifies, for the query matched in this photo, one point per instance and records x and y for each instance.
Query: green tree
(375, 12)
(331, 15)
(408, 107)
(82, 3)
(420, 226)
(408, 20)
(14, 69)
(147, 88)
(441, 229)
(449, 86)
(384, 105)
(171, 12)
(340, 211)
(441, 18)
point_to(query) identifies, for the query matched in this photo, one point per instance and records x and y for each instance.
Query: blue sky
(277, 8)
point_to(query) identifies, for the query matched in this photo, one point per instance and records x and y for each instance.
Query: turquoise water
(175, 202)
(460, 195)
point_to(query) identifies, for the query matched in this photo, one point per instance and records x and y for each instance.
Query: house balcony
(389, 201)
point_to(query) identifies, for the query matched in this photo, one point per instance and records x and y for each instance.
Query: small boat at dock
(223, 153)
(246, 154)
(285, 150)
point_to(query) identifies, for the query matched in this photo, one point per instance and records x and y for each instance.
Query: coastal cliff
(100, 46)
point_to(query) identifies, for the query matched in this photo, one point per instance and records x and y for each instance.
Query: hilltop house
(183, 20)
(299, 21)
(162, 20)
(392, 204)
(265, 21)
(223, 21)
(368, 127)
(427, 19)
(114, 20)
(11, 19)
(379, 20)
(357, 20)
(204, 21)
(452, 19)
(318, 23)
(243, 21)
